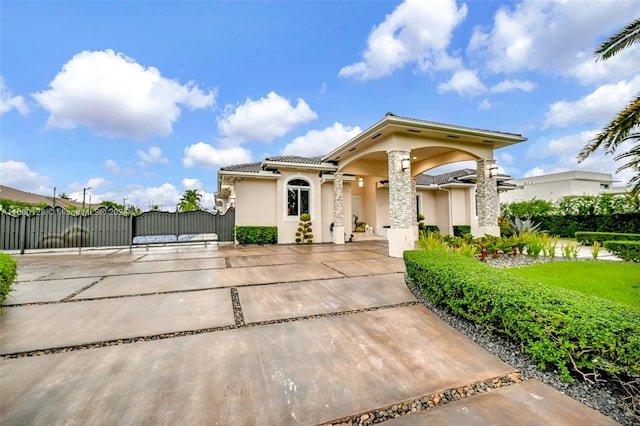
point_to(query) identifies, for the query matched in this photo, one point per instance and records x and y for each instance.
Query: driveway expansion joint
(428, 401)
(239, 324)
(237, 308)
(77, 292)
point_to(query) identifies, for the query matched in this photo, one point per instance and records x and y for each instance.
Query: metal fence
(59, 228)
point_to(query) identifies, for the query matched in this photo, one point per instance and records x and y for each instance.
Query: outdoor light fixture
(360, 182)
(406, 162)
(493, 170)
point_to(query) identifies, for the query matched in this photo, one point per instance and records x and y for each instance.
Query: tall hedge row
(556, 327)
(568, 225)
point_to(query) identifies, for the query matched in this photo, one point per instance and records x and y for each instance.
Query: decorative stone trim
(400, 192)
(338, 200)
(487, 189)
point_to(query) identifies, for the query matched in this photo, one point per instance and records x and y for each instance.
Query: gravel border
(604, 397)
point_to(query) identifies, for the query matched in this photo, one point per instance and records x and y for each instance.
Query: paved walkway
(197, 334)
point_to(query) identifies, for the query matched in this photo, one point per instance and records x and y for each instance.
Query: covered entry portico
(389, 156)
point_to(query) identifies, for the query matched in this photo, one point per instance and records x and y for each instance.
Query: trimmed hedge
(556, 327)
(8, 273)
(461, 230)
(627, 250)
(588, 238)
(568, 225)
(256, 234)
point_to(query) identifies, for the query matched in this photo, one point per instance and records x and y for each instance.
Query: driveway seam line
(183, 333)
(121, 296)
(429, 401)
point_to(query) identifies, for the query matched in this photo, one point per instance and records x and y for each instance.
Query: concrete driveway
(196, 334)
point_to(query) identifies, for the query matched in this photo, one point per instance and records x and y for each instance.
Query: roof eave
(498, 139)
(284, 164)
(258, 175)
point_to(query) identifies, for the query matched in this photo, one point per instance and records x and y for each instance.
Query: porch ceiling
(422, 159)
(432, 144)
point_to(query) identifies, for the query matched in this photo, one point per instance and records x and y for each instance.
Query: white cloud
(152, 156)
(117, 97)
(536, 171)
(598, 106)
(320, 142)
(262, 120)
(166, 196)
(116, 169)
(464, 82)
(417, 31)
(506, 159)
(547, 34)
(18, 175)
(190, 183)
(205, 156)
(485, 105)
(9, 102)
(508, 85)
(93, 184)
(621, 66)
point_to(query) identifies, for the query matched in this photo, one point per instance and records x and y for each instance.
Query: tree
(626, 125)
(190, 201)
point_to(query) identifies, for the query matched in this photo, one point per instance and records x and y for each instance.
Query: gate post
(131, 233)
(22, 237)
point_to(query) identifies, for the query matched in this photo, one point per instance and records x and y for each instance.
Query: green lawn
(616, 281)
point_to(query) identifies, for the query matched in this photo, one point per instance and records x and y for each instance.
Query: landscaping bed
(566, 334)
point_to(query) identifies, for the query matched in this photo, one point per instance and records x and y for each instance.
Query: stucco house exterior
(379, 177)
(555, 186)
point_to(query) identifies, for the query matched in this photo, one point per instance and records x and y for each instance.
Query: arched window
(297, 197)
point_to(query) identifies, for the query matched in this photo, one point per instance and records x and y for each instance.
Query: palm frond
(614, 44)
(619, 129)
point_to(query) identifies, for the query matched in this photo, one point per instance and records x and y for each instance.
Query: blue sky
(143, 100)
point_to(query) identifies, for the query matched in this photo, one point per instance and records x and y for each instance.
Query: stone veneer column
(401, 233)
(488, 200)
(338, 208)
(414, 208)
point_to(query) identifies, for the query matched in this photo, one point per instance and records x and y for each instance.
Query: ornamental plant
(304, 233)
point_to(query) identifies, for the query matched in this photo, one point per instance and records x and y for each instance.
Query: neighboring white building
(554, 186)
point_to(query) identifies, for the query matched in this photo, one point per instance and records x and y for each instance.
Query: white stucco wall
(442, 218)
(461, 210)
(256, 202)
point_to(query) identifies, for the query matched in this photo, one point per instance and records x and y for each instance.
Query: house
(377, 177)
(555, 186)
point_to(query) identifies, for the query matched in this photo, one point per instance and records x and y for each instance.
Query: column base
(338, 235)
(400, 240)
(484, 230)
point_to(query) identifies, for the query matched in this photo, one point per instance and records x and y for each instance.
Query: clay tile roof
(247, 168)
(445, 177)
(451, 125)
(295, 159)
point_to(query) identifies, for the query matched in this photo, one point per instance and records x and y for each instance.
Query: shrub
(430, 228)
(461, 230)
(8, 273)
(569, 250)
(556, 327)
(588, 238)
(304, 231)
(256, 234)
(627, 250)
(520, 226)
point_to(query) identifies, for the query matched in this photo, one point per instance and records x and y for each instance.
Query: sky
(139, 101)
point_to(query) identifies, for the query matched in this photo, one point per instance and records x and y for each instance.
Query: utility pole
(84, 195)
